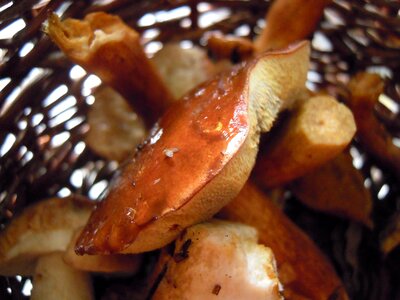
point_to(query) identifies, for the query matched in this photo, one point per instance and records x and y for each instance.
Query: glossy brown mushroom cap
(197, 157)
(187, 148)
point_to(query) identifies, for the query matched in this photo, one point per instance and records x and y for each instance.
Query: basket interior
(44, 100)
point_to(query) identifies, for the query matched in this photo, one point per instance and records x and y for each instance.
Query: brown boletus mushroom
(197, 157)
(104, 45)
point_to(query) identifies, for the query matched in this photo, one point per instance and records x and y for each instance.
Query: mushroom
(182, 69)
(33, 242)
(215, 131)
(39, 243)
(215, 259)
(107, 264)
(42, 228)
(338, 188)
(317, 131)
(235, 49)
(104, 45)
(303, 270)
(114, 129)
(289, 21)
(54, 279)
(365, 89)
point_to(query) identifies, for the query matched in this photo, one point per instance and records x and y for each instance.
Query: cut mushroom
(116, 263)
(42, 228)
(183, 69)
(303, 270)
(53, 279)
(219, 259)
(289, 21)
(318, 130)
(216, 129)
(104, 45)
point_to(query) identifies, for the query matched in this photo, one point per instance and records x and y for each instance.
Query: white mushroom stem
(53, 279)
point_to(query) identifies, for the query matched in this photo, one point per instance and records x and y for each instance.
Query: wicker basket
(44, 99)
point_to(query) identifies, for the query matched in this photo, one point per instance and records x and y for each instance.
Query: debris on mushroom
(169, 152)
(54, 279)
(318, 130)
(114, 129)
(365, 89)
(303, 270)
(116, 263)
(104, 45)
(220, 122)
(42, 228)
(289, 21)
(221, 259)
(337, 188)
(183, 69)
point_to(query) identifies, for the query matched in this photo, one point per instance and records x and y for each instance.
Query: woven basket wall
(44, 100)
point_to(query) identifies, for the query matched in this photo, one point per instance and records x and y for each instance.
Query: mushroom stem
(302, 268)
(365, 89)
(337, 188)
(104, 45)
(289, 21)
(53, 279)
(318, 130)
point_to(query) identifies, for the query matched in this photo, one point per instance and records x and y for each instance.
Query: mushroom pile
(186, 192)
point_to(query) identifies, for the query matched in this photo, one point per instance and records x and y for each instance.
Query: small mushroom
(32, 245)
(221, 259)
(42, 228)
(216, 129)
